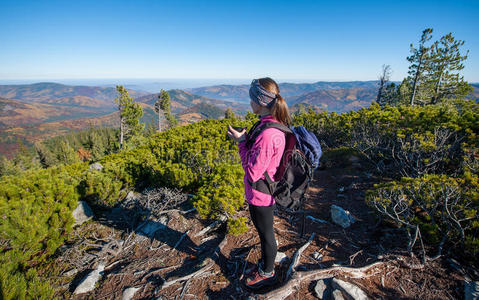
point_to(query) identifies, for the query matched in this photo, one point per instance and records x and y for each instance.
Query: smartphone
(239, 129)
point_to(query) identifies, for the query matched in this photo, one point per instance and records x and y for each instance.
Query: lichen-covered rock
(350, 289)
(341, 217)
(129, 293)
(88, 283)
(82, 213)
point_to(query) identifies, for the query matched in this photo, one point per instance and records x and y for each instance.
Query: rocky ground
(153, 252)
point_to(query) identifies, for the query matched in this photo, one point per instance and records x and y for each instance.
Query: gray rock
(96, 166)
(280, 258)
(88, 283)
(471, 290)
(149, 228)
(70, 273)
(337, 295)
(341, 217)
(320, 289)
(350, 289)
(82, 213)
(128, 293)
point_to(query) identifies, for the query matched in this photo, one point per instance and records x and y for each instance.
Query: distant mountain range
(16, 113)
(48, 92)
(337, 100)
(182, 100)
(33, 112)
(241, 92)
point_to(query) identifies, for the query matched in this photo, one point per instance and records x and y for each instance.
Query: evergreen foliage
(163, 105)
(433, 74)
(229, 114)
(130, 114)
(35, 218)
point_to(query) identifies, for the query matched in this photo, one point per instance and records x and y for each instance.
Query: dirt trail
(149, 262)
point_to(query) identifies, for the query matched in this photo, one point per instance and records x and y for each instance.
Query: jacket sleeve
(257, 159)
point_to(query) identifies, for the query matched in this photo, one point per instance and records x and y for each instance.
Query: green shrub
(443, 208)
(403, 140)
(237, 226)
(35, 218)
(16, 283)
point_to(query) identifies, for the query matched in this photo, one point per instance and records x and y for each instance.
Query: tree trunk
(121, 132)
(380, 91)
(416, 78)
(159, 120)
(438, 87)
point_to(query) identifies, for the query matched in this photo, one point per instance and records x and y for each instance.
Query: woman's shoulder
(274, 135)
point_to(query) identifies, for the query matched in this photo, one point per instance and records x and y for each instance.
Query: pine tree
(130, 114)
(47, 158)
(7, 167)
(418, 60)
(26, 158)
(386, 91)
(163, 107)
(229, 114)
(446, 62)
(149, 130)
(67, 154)
(95, 144)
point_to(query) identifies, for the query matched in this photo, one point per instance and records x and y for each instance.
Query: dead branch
(352, 257)
(297, 256)
(212, 226)
(181, 239)
(187, 277)
(317, 220)
(218, 249)
(293, 284)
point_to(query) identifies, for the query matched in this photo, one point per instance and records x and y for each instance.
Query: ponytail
(280, 111)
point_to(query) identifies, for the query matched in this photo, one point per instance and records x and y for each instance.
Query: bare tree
(383, 80)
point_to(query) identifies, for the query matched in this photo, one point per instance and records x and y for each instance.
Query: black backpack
(300, 159)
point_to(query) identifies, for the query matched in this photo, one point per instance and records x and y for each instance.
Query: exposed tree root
(297, 256)
(298, 277)
(187, 277)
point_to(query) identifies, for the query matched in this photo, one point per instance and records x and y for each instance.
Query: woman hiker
(264, 154)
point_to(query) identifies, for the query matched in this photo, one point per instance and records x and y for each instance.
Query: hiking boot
(259, 279)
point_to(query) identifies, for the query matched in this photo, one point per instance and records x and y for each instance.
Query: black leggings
(262, 217)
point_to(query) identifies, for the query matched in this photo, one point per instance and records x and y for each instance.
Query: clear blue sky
(310, 40)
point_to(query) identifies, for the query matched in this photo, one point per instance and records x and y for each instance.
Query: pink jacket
(265, 154)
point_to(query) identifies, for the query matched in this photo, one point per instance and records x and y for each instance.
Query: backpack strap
(258, 128)
(264, 185)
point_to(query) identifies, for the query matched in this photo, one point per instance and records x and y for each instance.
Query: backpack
(300, 158)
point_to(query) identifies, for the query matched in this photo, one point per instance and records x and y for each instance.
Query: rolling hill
(240, 92)
(182, 100)
(337, 100)
(16, 113)
(49, 91)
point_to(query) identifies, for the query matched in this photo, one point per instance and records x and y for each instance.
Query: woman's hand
(235, 135)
